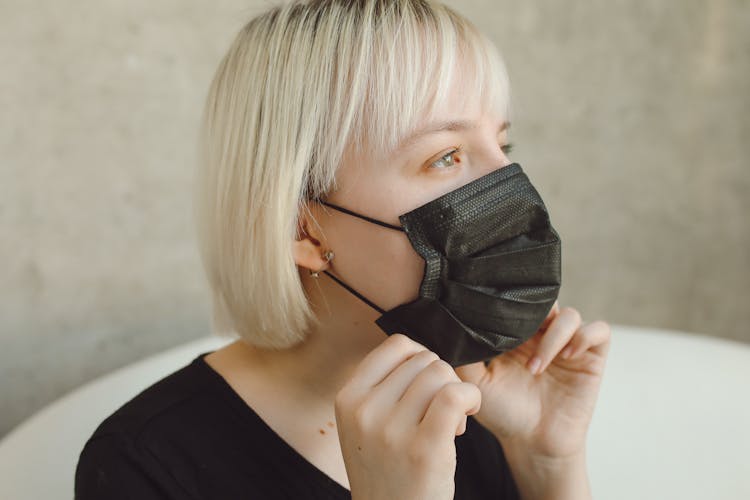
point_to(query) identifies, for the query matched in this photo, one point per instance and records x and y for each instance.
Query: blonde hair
(301, 84)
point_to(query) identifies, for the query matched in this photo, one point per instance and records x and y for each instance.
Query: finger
(379, 362)
(531, 343)
(602, 348)
(461, 427)
(472, 372)
(592, 336)
(412, 406)
(553, 312)
(392, 388)
(559, 333)
(448, 409)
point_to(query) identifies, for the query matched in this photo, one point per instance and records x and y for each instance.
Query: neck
(317, 368)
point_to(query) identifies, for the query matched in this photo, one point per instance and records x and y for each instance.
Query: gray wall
(632, 118)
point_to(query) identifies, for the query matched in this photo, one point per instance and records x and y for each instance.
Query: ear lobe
(307, 254)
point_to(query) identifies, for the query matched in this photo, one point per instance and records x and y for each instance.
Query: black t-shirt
(191, 436)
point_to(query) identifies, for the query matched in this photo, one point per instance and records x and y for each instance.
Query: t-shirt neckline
(246, 411)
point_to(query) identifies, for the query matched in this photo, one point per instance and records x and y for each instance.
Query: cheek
(378, 262)
(401, 273)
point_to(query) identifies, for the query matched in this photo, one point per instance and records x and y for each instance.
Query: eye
(447, 160)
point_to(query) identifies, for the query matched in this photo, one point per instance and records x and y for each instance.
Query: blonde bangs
(416, 58)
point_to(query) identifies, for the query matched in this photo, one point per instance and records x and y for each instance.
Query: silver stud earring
(328, 256)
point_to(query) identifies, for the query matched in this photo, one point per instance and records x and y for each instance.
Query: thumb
(473, 372)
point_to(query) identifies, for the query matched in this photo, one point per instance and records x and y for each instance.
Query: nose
(491, 158)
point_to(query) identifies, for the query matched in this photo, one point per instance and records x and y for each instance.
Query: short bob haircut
(301, 84)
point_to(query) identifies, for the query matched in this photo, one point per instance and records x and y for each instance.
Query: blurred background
(632, 119)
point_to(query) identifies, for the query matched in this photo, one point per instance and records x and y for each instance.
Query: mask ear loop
(352, 290)
(369, 219)
(328, 255)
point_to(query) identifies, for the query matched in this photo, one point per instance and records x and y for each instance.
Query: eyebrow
(451, 126)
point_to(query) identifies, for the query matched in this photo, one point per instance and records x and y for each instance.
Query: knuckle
(442, 369)
(426, 355)
(606, 328)
(362, 417)
(572, 312)
(473, 390)
(401, 342)
(599, 325)
(390, 438)
(452, 395)
(341, 401)
(604, 325)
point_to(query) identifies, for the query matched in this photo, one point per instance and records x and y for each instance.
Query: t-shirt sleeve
(112, 467)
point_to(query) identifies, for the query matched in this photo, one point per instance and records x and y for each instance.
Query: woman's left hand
(546, 413)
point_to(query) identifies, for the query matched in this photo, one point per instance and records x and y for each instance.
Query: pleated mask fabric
(492, 268)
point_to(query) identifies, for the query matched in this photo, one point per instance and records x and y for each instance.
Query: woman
(319, 123)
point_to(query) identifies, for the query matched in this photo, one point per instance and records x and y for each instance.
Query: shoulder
(121, 460)
(160, 402)
(112, 466)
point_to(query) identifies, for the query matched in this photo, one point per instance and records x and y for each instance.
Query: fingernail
(535, 364)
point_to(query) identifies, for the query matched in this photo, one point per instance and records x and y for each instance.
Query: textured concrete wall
(633, 119)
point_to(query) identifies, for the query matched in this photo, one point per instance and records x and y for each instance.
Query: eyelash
(506, 149)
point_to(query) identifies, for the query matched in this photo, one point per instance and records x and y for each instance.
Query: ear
(307, 247)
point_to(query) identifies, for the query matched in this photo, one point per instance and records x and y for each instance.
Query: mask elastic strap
(352, 290)
(369, 219)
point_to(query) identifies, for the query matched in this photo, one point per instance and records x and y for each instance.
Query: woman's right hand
(397, 419)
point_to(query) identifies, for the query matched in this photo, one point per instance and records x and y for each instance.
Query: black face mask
(492, 268)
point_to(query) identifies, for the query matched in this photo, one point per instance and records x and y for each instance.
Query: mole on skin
(330, 424)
